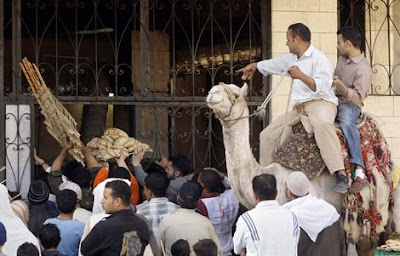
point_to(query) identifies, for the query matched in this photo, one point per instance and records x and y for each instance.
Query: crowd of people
(119, 208)
(101, 216)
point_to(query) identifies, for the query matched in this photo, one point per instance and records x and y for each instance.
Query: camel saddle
(300, 152)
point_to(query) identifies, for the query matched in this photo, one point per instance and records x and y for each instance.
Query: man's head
(27, 249)
(205, 247)
(3, 235)
(119, 172)
(189, 195)
(116, 196)
(72, 186)
(297, 185)
(264, 187)
(348, 40)
(298, 36)
(77, 173)
(179, 165)
(38, 192)
(180, 248)
(66, 201)
(49, 236)
(210, 181)
(155, 185)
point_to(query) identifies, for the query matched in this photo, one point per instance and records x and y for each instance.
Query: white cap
(72, 186)
(298, 183)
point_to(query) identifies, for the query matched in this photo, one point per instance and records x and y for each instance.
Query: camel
(228, 104)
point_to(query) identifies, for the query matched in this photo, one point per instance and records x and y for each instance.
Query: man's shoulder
(65, 223)
(364, 64)
(51, 221)
(175, 215)
(318, 54)
(124, 218)
(270, 209)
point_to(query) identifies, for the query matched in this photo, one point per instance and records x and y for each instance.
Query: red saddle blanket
(301, 153)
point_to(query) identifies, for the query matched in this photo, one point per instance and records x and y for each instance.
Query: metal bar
(2, 103)
(144, 46)
(255, 101)
(389, 47)
(16, 46)
(266, 48)
(32, 139)
(76, 48)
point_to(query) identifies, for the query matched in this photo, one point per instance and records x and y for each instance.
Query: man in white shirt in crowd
(268, 229)
(219, 205)
(185, 223)
(320, 229)
(311, 94)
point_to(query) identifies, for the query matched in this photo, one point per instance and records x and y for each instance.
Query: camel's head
(227, 101)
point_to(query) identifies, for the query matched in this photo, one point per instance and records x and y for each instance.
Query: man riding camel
(311, 94)
(352, 79)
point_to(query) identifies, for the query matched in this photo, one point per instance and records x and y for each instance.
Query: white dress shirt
(314, 64)
(267, 230)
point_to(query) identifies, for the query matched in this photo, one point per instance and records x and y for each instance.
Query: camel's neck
(239, 156)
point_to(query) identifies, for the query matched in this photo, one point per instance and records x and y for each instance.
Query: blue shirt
(71, 233)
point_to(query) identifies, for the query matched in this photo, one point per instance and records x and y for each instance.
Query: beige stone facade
(321, 16)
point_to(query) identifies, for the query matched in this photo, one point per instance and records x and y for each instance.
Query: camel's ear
(243, 90)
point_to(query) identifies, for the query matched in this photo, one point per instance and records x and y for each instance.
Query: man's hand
(295, 72)
(220, 174)
(38, 160)
(248, 71)
(340, 86)
(123, 155)
(137, 157)
(163, 162)
(336, 82)
(121, 160)
(67, 144)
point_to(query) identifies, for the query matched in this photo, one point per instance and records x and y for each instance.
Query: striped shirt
(268, 229)
(156, 209)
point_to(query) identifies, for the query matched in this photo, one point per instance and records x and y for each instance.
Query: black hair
(81, 176)
(119, 172)
(189, 195)
(180, 248)
(157, 183)
(182, 164)
(112, 164)
(49, 236)
(352, 34)
(211, 181)
(27, 249)
(120, 189)
(264, 186)
(205, 247)
(301, 30)
(69, 166)
(66, 201)
(195, 175)
(153, 167)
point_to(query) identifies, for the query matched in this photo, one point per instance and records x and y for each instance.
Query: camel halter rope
(260, 112)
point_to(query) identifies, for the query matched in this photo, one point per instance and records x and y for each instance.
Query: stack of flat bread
(113, 143)
(59, 122)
